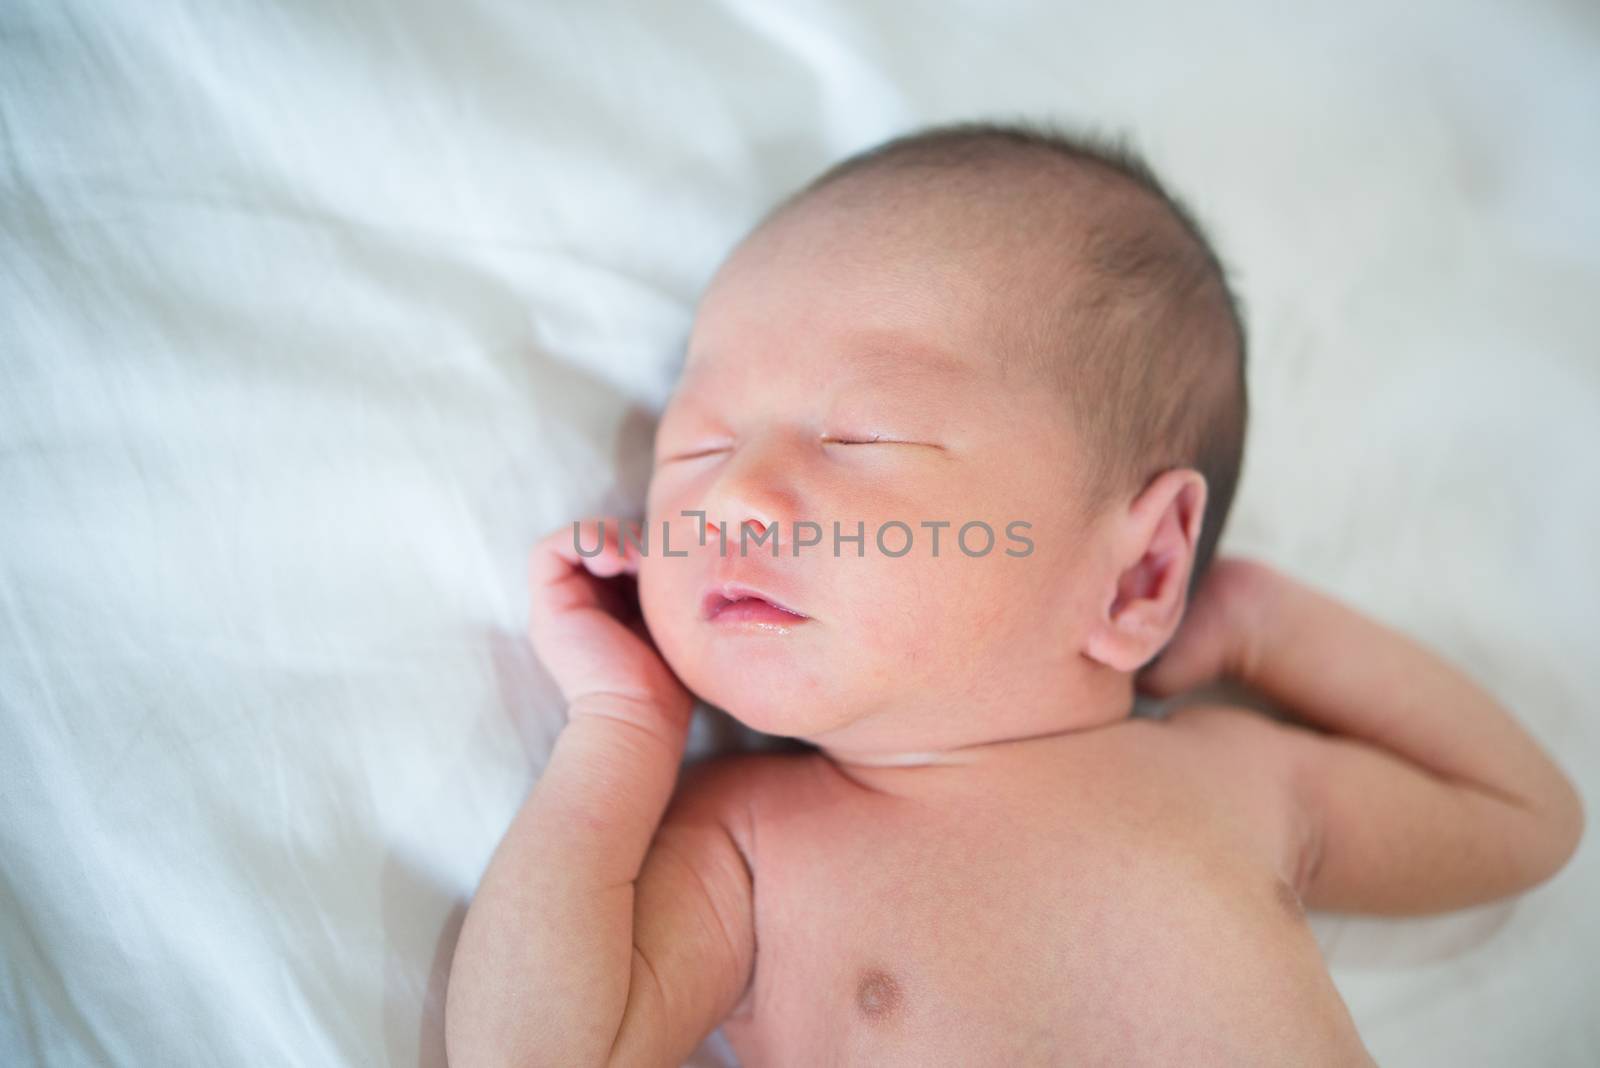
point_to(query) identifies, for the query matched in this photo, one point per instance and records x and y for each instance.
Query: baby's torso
(1089, 906)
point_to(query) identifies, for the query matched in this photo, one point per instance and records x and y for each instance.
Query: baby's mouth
(732, 603)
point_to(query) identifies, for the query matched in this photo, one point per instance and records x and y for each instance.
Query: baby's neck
(935, 774)
(861, 747)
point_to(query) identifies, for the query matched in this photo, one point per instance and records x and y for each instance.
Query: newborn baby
(958, 429)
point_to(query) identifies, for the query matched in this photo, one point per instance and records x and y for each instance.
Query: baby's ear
(1154, 554)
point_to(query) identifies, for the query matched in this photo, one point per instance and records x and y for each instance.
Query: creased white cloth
(314, 316)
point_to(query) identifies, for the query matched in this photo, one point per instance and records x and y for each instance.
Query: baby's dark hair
(1148, 344)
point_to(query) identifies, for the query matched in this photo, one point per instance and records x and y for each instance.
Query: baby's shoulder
(735, 788)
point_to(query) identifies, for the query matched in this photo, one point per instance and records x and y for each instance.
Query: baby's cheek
(973, 609)
(660, 600)
(906, 609)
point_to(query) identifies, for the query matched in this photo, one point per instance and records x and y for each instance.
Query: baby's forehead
(887, 293)
(983, 227)
(897, 364)
(1001, 254)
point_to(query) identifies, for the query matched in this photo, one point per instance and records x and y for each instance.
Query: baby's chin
(775, 703)
(778, 714)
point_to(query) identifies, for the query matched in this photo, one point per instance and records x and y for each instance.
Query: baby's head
(1005, 329)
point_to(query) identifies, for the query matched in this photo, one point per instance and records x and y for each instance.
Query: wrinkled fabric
(315, 316)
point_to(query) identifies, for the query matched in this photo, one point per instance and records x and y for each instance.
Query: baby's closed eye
(875, 439)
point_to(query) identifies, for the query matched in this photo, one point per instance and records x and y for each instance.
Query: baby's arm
(597, 937)
(1425, 794)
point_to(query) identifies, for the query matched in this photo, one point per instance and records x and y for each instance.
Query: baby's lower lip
(755, 610)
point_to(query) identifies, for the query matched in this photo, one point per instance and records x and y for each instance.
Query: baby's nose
(758, 533)
(755, 491)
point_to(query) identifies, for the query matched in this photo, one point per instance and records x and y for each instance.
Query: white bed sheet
(314, 316)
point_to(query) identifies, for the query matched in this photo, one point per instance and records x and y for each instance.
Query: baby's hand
(568, 988)
(1220, 634)
(585, 624)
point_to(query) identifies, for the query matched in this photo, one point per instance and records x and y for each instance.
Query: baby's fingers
(596, 545)
(561, 562)
(584, 619)
(1218, 633)
(1190, 660)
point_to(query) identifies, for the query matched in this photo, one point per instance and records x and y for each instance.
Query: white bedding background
(315, 315)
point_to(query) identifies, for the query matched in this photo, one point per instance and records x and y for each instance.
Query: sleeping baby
(938, 494)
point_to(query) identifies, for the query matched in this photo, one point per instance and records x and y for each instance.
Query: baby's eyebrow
(899, 392)
(896, 353)
(904, 381)
(891, 365)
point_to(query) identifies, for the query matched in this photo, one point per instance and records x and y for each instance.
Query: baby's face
(817, 337)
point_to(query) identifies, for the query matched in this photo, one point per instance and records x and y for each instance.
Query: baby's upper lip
(721, 593)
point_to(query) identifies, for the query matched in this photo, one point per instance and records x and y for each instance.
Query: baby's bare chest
(892, 934)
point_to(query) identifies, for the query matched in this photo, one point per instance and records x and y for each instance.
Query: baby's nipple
(877, 995)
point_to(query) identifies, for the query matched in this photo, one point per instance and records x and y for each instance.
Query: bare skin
(1061, 901)
(986, 861)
